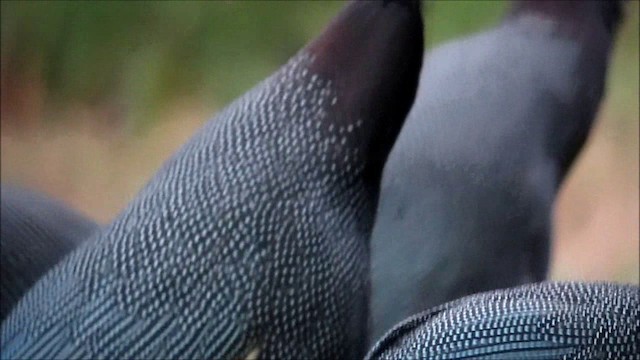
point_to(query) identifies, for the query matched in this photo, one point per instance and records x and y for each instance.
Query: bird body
(251, 239)
(36, 232)
(467, 192)
(535, 321)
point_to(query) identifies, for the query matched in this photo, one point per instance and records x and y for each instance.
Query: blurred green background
(96, 95)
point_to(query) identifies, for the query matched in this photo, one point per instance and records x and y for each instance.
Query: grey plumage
(468, 190)
(36, 232)
(252, 238)
(538, 321)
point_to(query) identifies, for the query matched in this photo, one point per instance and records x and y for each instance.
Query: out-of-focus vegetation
(96, 95)
(134, 57)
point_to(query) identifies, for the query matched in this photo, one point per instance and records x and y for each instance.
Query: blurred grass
(139, 55)
(96, 95)
(136, 56)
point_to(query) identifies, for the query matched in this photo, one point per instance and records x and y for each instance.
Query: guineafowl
(468, 190)
(252, 240)
(36, 232)
(581, 321)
